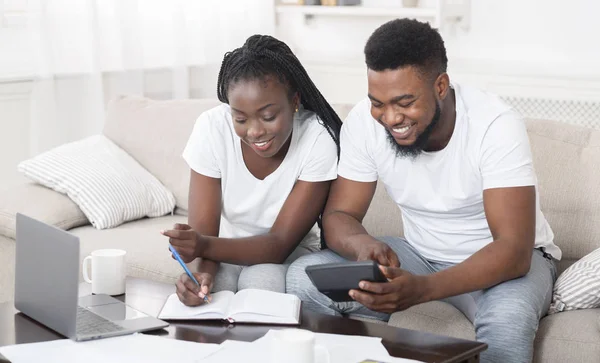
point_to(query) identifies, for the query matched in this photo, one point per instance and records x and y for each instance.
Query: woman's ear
(296, 101)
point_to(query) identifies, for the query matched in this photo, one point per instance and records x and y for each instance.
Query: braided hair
(262, 56)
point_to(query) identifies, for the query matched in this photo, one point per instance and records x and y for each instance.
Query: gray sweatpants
(264, 276)
(506, 316)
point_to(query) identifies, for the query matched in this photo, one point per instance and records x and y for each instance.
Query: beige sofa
(567, 160)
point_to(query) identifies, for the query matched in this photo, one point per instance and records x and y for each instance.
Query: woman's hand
(191, 294)
(188, 243)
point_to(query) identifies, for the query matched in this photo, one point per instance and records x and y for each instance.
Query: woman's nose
(256, 131)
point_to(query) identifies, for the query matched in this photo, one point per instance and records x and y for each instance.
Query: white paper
(141, 348)
(237, 351)
(353, 348)
(341, 349)
(127, 349)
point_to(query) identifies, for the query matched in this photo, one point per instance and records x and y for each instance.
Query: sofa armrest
(38, 202)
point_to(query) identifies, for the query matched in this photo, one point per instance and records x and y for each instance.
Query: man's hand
(191, 294)
(377, 251)
(188, 243)
(401, 292)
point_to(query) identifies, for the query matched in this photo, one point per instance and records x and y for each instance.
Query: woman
(261, 165)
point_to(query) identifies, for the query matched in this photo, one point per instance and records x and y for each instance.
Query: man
(457, 162)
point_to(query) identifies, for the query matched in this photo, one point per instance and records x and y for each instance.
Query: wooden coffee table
(149, 297)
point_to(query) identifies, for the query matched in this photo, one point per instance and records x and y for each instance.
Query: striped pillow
(107, 184)
(579, 286)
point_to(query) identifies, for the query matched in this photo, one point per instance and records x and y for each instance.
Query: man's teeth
(260, 144)
(401, 130)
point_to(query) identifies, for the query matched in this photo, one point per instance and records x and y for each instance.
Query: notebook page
(136, 348)
(216, 309)
(253, 305)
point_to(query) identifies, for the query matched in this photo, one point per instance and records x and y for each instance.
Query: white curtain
(85, 52)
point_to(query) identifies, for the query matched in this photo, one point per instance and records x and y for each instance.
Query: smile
(262, 145)
(401, 132)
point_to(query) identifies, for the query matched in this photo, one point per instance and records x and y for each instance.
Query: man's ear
(442, 85)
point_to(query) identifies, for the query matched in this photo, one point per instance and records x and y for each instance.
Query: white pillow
(578, 287)
(107, 184)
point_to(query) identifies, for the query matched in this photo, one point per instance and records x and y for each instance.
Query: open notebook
(245, 306)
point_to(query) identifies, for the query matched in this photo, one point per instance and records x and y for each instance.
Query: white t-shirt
(440, 193)
(250, 205)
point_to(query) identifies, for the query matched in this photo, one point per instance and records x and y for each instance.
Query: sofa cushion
(572, 336)
(155, 133)
(107, 184)
(383, 217)
(38, 202)
(566, 159)
(579, 286)
(148, 253)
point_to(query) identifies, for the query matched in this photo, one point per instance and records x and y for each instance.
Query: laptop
(47, 288)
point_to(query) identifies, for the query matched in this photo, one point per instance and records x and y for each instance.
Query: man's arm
(510, 213)
(347, 205)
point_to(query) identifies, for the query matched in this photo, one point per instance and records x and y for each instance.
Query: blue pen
(187, 271)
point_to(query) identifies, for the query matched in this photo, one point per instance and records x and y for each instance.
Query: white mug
(297, 346)
(108, 271)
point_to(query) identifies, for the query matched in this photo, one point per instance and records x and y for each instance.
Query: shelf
(444, 12)
(396, 12)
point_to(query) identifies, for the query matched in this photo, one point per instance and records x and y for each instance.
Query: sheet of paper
(340, 348)
(237, 351)
(127, 349)
(349, 348)
(368, 344)
(355, 349)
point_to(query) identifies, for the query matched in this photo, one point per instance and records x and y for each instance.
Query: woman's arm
(204, 214)
(297, 216)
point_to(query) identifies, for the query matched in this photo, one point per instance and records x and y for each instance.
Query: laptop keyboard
(89, 323)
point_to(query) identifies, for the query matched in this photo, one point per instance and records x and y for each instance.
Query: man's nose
(391, 117)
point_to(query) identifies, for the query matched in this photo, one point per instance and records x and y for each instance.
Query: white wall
(14, 129)
(542, 36)
(123, 46)
(542, 39)
(538, 48)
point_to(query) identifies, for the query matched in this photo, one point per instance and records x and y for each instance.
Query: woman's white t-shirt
(250, 205)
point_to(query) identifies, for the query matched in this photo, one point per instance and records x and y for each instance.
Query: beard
(416, 148)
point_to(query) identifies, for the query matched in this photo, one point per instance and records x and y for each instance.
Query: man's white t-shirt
(250, 205)
(440, 193)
